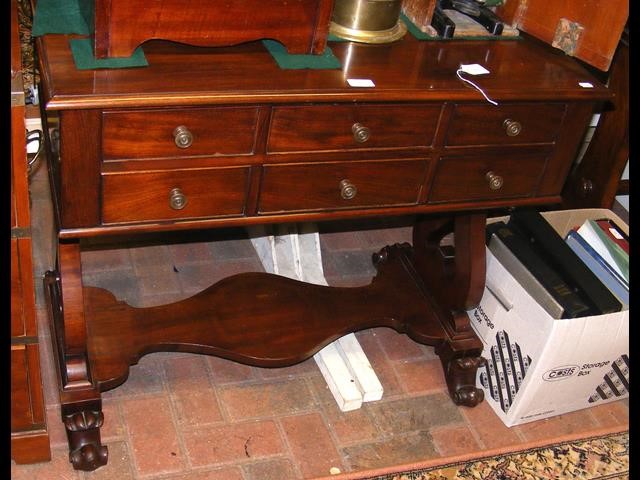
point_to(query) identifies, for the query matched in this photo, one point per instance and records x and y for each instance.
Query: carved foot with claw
(83, 432)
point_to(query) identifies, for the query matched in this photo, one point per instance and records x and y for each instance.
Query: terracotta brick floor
(184, 416)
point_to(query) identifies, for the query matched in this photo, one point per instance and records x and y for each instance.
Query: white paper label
(615, 233)
(585, 84)
(360, 82)
(474, 69)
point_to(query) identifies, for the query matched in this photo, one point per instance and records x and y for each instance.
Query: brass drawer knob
(495, 181)
(512, 127)
(182, 136)
(360, 133)
(347, 189)
(177, 199)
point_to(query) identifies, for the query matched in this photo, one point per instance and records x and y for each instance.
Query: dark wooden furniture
(205, 138)
(587, 30)
(29, 437)
(121, 25)
(595, 181)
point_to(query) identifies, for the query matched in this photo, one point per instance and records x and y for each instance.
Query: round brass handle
(360, 133)
(512, 127)
(182, 136)
(495, 181)
(177, 199)
(347, 189)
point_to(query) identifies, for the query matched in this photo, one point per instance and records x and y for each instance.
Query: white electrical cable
(459, 74)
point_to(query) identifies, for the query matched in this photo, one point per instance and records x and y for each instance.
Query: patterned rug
(597, 458)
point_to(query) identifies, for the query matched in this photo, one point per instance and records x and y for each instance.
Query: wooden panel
(149, 134)
(30, 447)
(121, 25)
(17, 320)
(420, 12)
(588, 30)
(473, 125)
(306, 187)
(27, 405)
(23, 321)
(14, 218)
(596, 180)
(79, 172)
(29, 438)
(19, 182)
(460, 178)
(144, 196)
(330, 127)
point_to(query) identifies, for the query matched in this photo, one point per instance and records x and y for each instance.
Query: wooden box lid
(588, 30)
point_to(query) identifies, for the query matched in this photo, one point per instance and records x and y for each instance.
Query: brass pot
(367, 21)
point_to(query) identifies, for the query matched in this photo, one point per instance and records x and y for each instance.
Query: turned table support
(455, 278)
(81, 405)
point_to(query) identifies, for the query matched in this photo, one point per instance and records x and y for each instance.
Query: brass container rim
(369, 36)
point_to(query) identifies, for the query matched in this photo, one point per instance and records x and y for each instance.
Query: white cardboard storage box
(537, 366)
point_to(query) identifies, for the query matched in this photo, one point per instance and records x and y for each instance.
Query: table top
(407, 70)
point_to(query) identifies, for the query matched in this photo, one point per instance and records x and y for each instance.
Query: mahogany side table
(215, 137)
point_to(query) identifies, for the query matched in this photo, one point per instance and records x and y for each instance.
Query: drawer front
(487, 177)
(504, 124)
(174, 194)
(218, 131)
(27, 403)
(338, 127)
(339, 185)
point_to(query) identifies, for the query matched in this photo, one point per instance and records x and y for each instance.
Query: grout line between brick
(174, 416)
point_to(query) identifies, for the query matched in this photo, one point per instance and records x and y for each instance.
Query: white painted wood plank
(294, 251)
(263, 244)
(339, 379)
(347, 346)
(358, 363)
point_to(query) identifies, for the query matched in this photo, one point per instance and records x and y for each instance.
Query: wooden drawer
(462, 178)
(27, 404)
(335, 127)
(218, 131)
(473, 125)
(326, 186)
(146, 196)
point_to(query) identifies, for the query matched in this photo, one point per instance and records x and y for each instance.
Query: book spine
(601, 259)
(598, 266)
(561, 257)
(524, 277)
(572, 304)
(615, 233)
(620, 257)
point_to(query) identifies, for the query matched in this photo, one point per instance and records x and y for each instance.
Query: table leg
(81, 405)
(455, 278)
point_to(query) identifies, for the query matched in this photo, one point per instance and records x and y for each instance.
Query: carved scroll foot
(83, 432)
(460, 374)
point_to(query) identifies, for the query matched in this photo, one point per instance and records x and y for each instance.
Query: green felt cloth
(76, 17)
(63, 16)
(82, 50)
(287, 61)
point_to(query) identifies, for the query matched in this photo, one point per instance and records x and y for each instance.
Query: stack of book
(587, 273)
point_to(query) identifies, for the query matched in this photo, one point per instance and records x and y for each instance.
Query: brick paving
(181, 416)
